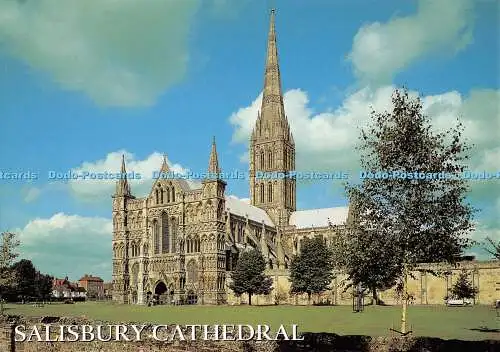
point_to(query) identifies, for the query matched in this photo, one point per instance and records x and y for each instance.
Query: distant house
(63, 288)
(94, 286)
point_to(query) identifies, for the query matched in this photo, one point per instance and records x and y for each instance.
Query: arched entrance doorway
(160, 293)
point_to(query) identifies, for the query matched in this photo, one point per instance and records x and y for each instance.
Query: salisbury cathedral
(181, 243)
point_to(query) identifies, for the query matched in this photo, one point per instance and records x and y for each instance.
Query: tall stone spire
(122, 186)
(272, 121)
(213, 163)
(272, 148)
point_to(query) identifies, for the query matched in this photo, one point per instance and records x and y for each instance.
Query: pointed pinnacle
(164, 164)
(123, 163)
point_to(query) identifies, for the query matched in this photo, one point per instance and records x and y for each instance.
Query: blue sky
(84, 82)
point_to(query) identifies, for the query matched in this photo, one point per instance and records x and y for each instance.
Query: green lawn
(437, 321)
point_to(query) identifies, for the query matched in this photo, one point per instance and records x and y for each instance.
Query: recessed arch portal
(160, 288)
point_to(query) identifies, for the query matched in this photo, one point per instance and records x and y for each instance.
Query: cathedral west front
(179, 244)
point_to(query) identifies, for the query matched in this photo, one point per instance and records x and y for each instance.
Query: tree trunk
(405, 300)
(249, 299)
(308, 298)
(375, 300)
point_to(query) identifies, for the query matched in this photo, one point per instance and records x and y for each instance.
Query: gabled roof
(319, 217)
(238, 207)
(87, 277)
(184, 184)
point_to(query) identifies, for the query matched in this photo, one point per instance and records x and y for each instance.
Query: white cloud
(97, 190)
(68, 245)
(321, 139)
(380, 50)
(31, 194)
(326, 140)
(121, 53)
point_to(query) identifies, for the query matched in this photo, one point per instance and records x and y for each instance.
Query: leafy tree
(405, 219)
(312, 270)
(369, 261)
(43, 285)
(463, 288)
(248, 276)
(25, 278)
(8, 245)
(496, 248)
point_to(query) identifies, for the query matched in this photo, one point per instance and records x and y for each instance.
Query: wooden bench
(458, 302)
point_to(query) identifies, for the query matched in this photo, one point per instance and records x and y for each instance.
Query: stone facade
(424, 287)
(179, 243)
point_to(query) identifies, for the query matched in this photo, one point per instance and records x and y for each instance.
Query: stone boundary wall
(425, 288)
(311, 342)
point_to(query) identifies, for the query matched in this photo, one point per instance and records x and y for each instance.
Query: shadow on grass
(485, 329)
(324, 342)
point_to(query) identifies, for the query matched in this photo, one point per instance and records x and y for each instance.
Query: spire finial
(122, 186)
(213, 162)
(123, 163)
(164, 164)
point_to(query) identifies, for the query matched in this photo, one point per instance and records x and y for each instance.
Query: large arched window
(262, 193)
(157, 196)
(156, 236)
(165, 233)
(172, 189)
(168, 194)
(192, 271)
(270, 192)
(261, 164)
(135, 274)
(269, 159)
(174, 234)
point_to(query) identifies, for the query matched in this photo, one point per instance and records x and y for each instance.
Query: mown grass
(437, 321)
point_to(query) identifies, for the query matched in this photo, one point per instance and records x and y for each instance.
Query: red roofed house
(94, 286)
(63, 288)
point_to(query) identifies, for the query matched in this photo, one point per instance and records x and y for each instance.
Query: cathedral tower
(272, 148)
(121, 237)
(212, 274)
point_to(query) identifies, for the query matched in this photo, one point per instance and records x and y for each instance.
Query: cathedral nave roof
(322, 217)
